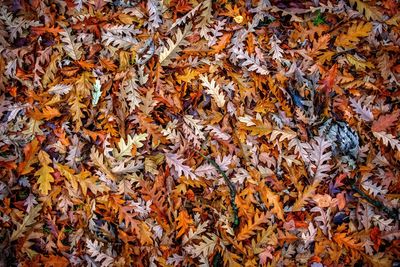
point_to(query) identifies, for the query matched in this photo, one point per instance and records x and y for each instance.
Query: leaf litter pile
(199, 133)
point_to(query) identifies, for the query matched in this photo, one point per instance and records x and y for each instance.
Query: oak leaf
(251, 226)
(44, 173)
(184, 223)
(28, 221)
(384, 122)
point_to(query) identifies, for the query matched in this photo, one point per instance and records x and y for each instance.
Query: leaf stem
(231, 187)
(391, 212)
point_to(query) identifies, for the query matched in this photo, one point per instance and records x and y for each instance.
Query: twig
(391, 212)
(231, 187)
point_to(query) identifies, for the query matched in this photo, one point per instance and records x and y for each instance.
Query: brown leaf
(384, 122)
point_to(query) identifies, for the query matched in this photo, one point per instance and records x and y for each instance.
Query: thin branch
(231, 187)
(392, 213)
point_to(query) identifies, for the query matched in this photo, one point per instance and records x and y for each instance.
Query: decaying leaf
(199, 133)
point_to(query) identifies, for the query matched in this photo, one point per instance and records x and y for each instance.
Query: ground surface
(185, 133)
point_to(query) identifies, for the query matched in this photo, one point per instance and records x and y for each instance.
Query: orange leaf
(184, 222)
(47, 113)
(30, 151)
(329, 81)
(41, 30)
(252, 225)
(55, 261)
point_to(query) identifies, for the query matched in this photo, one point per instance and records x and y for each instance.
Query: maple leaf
(44, 173)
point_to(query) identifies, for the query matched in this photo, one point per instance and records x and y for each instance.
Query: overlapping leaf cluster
(121, 120)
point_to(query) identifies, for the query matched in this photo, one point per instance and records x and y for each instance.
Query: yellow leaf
(395, 20)
(68, 173)
(370, 12)
(44, 173)
(126, 19)
(87, 181)
(359, 64)
(145, 235)
(351, 37)
(83, 178)
(238, 19)
(187, 77)
(76, 112)
(326, 56)
(260, 129)
(84, 84)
